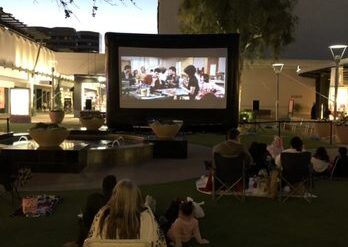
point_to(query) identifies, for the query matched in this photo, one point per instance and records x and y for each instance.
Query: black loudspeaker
(88, 105)
(256, 105)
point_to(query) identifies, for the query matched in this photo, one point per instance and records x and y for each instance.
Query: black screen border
(194, 119)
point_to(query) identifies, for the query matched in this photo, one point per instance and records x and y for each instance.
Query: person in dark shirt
(192, 83)
(94, 203)
(340, 168)
(172, 78)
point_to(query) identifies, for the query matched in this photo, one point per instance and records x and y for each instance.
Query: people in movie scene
(172, 78)
(185, 227)
(126, 217)
(127, 75)
(156, 82)
(192, 83)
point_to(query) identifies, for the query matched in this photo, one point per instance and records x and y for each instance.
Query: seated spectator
(94, 203)
(232, 147)
(126, 217)
(185, 227)
(340, 168)
(262, 158)
(321, 162)
(276, 147)
(296, 147)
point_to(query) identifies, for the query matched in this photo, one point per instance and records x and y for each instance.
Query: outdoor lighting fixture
(337, 52)
(277, 67)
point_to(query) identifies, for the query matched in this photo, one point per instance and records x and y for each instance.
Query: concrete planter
(49, 137)
(342, 133)
(56, 116)
(166, 130)
(92, 123)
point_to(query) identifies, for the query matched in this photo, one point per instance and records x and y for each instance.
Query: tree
(67, 5)
(263, 25)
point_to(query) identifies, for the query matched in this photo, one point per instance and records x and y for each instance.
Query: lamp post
(337, 52)
(52, 88)
(277, 67)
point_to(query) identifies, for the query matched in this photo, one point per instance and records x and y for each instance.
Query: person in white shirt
(321, 161)
(296, 147)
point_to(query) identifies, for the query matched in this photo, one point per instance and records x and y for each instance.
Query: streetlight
(337, 52)
(277, 67)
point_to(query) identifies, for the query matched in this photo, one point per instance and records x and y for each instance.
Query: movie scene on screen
(172, 82)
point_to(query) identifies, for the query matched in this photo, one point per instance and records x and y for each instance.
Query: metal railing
(307, 127)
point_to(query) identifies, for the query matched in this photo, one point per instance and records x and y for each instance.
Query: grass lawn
(228, 222)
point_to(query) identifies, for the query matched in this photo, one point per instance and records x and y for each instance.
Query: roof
(8, 20)
(316, 72)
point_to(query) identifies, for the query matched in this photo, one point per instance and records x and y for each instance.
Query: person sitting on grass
(185, 227)
(321, 162)
(125, 216)
(95, 201)
(340, 168)
(296, 147)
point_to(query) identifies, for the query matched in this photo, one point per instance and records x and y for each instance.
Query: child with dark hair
(321, 161)
(185, 227)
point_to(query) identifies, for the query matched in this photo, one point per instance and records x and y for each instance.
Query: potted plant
(57, 113)
(342, 128)
(48, 135)
(91, 120)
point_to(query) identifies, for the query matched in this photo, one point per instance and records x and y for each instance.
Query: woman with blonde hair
(126, 217)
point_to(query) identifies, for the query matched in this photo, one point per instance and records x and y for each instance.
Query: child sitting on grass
(185, 227)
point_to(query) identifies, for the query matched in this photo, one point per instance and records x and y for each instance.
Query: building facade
(308, 51)
(66, 39)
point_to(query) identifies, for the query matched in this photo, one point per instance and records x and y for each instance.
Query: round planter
(92, 123)
(56, 116)
(166, 130)
(50, 137)
(342, 133)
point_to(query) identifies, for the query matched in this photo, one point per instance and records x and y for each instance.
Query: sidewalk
(44, 117)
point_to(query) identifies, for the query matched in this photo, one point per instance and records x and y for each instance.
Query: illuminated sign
(2, 98)
(20, 100)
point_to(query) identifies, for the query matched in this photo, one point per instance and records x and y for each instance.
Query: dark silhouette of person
(94, 203)
(314, 111)
(341, 164)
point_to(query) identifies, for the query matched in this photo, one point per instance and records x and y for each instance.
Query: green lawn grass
(228, 222)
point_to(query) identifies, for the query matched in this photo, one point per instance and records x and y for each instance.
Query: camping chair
(296, 173)
(227, 173)
(115, 243)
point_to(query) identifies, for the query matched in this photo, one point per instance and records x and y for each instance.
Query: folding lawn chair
(228, 172)
(296, 173)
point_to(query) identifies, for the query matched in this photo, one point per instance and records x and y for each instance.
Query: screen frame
(126, 118)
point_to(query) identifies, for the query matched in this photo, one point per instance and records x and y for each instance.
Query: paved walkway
(150, 172)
